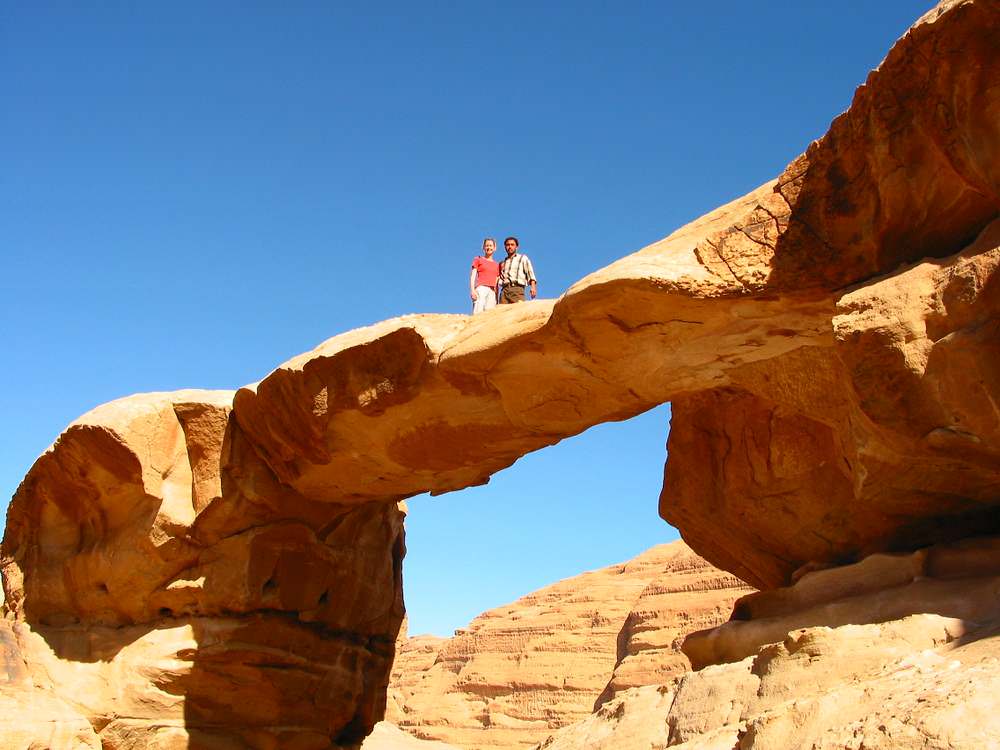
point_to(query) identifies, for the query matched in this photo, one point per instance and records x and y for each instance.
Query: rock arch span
(230, 563)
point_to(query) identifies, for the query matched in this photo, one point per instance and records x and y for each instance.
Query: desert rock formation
(884, 439)
(900, 407)
(42, 718)
(879, 672)
(687, 595)
(520, 671)
(176, 593)
(225, 570)
(744, 310)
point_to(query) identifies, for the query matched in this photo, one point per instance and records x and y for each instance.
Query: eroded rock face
(887, 440)
(34, 716)
(960, 581)
(156, 570)
(745, 320)
(240, 555)
(520, 671)
(911, 661)
(909, 171)
(687, 594)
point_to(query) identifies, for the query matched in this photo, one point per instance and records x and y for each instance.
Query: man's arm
(532, 281)
(472, 283)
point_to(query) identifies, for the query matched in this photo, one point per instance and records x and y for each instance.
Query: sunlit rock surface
(891, 652)
(386, 736)
(225, 570)
(887, 440)
(520, 671)
(958, 580)
(906, 685)
(789, 309)
(33, 715)
(161, 581)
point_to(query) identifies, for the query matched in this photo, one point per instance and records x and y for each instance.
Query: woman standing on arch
(483, 280)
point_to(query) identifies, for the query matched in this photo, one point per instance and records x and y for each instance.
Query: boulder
(160, 578)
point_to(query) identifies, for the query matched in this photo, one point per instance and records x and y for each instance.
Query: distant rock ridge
(212, 569)
(910, 660)
(520, 671)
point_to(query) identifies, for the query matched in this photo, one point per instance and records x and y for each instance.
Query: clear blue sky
(191, 193)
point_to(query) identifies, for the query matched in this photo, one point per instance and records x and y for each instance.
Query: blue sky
(192, 193)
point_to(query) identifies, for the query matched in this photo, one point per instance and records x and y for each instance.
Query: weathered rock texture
(33, 715)
(520, 671)
(906, 686)
(886, 440)
(747, 320)
(913, 661)
(688, 594)
(960, 581)
(176, 593)
(196, 569)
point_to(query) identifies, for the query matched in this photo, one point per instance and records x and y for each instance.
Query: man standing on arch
(516, 272)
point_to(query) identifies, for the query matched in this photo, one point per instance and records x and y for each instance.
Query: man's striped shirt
(516, 269)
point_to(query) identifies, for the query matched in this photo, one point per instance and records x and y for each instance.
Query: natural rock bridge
(225, 568)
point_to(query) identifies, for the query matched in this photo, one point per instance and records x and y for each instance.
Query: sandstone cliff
(884, 438)
(922, 674)
(161, 582)
(519, 671)
(223, 570)
(769, 305)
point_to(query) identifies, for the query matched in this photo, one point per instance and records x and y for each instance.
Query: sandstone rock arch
(829, 343)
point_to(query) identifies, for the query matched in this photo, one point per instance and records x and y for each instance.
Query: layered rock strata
(906, 685)
(886, 438)
(959, 581)
(162, 581)
(908, 656)
(829, 342)
(520, 671)
(687, 595)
